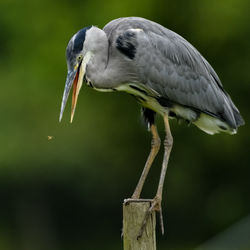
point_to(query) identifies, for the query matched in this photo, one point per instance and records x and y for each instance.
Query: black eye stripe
(79, 40)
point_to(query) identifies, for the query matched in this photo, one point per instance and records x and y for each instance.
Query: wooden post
(133, 216)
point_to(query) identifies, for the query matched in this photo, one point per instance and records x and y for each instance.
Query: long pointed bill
(73, 78)
(76, 88)
(69, 81)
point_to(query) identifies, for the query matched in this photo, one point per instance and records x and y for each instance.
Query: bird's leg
(155, 146)
(156, 203)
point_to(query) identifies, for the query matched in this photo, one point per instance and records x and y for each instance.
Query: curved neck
(104, 72)
(97, 43)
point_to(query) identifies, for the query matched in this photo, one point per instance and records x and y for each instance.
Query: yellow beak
(74, 78)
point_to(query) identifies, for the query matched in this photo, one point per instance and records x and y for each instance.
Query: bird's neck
(97, 44)
(103, 70)
(97, 65)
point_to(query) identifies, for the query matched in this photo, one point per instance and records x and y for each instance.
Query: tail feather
(238, 118)
(236, 113)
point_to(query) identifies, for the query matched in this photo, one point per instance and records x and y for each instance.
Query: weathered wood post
(133, 216)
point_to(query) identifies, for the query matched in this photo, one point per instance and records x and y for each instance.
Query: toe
(156, 204)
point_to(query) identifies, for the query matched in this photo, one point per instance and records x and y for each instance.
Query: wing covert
(165, 62)
(178, 72)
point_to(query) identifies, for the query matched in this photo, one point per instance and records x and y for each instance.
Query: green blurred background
(67, 193)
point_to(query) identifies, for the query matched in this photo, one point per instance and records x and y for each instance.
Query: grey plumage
(171, 66)
(161, 64)
(164, 72)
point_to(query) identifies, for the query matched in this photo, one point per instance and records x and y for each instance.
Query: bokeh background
(67, 193)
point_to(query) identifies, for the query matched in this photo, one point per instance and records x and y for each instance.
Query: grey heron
(163, 71)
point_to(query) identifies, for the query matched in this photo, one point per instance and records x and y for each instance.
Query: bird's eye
(79, 58)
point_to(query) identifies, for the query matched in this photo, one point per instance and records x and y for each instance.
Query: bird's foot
(155, 205)
(127, 201)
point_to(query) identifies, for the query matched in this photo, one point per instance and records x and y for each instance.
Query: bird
(163, 71)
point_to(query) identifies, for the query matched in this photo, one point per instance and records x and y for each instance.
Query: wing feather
(171, 66)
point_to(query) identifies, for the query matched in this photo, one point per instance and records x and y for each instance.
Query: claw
(155, 206)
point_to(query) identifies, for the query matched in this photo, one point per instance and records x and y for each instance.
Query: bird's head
(77, 57)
